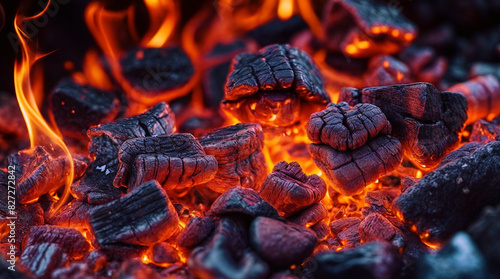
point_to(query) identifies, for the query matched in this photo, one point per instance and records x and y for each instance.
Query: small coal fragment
(74, 270)
(143, 217)
(376, 227)
(345, 128)
(424, 64)
(378, 260)
(157, 74)
(134, 268)
(321, 229)
(96, 186)
(176, 161)
(244, 201)
(426, 121)
(460, 258)
(350, 171)
(483, 97)
(277, 31)
(346, 230)
(227, 256)
(362, 28)
(95, 259)
(381, 200)
(74, 215)
(310, 215)
(238, 151)
(289, 189)
(484, 69)
(281, 244)
(164, 253)
(197, 230)
(37, 173)
(278, 87)
(386, 70)
(77, 107)
(453, 194)
(38, 261)
(483, 131)
(70, 240)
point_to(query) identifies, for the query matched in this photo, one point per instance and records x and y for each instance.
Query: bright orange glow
(385, 64)
(465, 133)
(419, 174)
(376, 30)
(395, 33)
(384, 29)
(408, 36)
(351, 49)
(306, 10)
(285, 9)
(164, 16)
(40, 133)
(399, 76)
(94, 73)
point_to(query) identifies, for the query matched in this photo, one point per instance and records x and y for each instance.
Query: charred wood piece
(376, 227)
(350, 171)
(164, 253)
(95, 259)
(143, 217)
(243, 201)
(483, 131)
(238, 151)
(424, 64)
(321, 229)
(74, 215)
(473, 181)
(278, 87)
(346, 230)
(345, 128)
(289, 189)
(381, 201)
(362, 28)
(386, 70)
(74, 270)
(175, 161)
(426, 121)
(39, 261)
(281, 244)
(77, 107)
(70, 240)
(483, 97)
(196, 231)
(96, 186)
(310, 216)
(465, 150)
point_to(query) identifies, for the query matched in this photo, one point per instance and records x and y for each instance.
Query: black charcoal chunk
(70, 240)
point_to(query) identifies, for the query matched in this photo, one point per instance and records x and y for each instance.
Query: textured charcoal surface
(238, 151)
(143, 217)
(426, 121)
(424, 63)
(483, 131)
(175, 161)
(310, 215)
(164, 253)
(96, 186)
(70, 240)
(226, 256)
(376, 227)
(77, 107)
(196, 230)
(278, 87)
(343, 128)
(243, 201)
(346, 231)
(386, 70)
(453, 194)
(376, 260)
(346, 21)
(38, 261)
(281, 244)
(74, 215)
(350, 171)
(74, 270)
(289, 189)
(465, 150)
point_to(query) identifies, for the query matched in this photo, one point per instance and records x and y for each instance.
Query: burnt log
(345, 128)
(473, 181)
(483, 131)
(196, 231)
(350, 171)
(39, 261)
(242, 201)
(143, 217)
(386, 70)
(176, 161)
(238, 151)
(281, 244)
(277, 87)
(362, 28)
(426, 121)
(96, 186)
(70, 240)
(289, 190)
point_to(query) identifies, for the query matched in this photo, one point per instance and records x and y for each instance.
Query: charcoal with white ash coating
(142, 217)
(196, 231)
(69, 239)
(40, 260)
(278, 87)
(289, 189)
(463, 187)
(484, 131)
(227, 255)
(424, 63)
(465, 150)
(279, 243)
(377, 260)
(386, 70)
(425, 120)
(78, 107)
(238, 151)
(244, 202)
(157, 74)
(96, 186)
(176, 161)
(362, 28)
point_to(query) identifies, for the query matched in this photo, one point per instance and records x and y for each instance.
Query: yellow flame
(285, 9)
(40, 133)
(164, 16)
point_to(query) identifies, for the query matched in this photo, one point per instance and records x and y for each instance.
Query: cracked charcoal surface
(426, 121)
(40, 260)
(473, 181)
(278, 86)
(70, 240)
(96, 186)
(483, 131)
(142, 217)
(175, 161)
(376, 227)
(74, 215)
(238, 151)
(351, 171)
(310, 215)
(289, 189)
(343, 128)
(196, 230)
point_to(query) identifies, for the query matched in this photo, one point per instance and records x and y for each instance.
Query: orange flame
(285, 9)
(164, 16)
(40, 133)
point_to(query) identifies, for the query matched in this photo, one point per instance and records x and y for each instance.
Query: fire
(164, 16)
(285, 9)
(40, 132)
